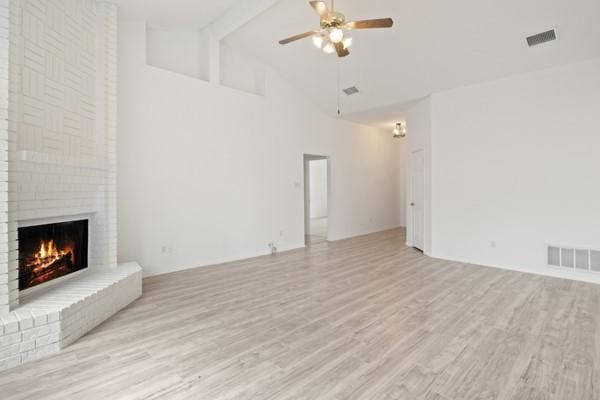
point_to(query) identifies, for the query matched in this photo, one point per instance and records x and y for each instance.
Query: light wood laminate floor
(364, 318)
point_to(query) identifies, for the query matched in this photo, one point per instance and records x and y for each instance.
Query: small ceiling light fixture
(329, 48)
(318, 41)
(336, 35)
(399, 130)
(347, 42)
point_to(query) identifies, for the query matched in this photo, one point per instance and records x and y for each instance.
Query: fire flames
(49, 253)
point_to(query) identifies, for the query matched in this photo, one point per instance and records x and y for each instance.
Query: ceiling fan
(331, 38)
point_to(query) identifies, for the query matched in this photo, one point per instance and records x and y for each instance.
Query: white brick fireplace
(58, 163)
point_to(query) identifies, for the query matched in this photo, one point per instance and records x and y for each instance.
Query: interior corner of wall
(132, 38)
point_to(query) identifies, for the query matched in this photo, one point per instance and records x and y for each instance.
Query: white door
(306, 198)
(417, 199)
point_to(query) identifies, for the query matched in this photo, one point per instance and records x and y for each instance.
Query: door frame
(411, 217)
(306, 159)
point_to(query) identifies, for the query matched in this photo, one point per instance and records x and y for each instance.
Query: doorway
(417, 197)
(316, 199)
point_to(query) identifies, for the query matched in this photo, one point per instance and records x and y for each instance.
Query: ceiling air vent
(540, 38)
(351, 90)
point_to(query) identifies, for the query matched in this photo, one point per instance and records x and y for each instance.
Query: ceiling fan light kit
(331, 37)
(329, 48)
(318, 41)
(336, 35)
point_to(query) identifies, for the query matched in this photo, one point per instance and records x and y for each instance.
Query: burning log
(48, 263)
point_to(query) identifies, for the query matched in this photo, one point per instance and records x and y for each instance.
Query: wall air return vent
(540, 38)
(351, 90)
(554, 256)
(595, 260)
(573, 258)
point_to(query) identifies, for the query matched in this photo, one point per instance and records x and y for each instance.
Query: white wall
(185, 51)
(401, 189)
(215, 174)
(237, 72)
(318, 188)
(516, 162)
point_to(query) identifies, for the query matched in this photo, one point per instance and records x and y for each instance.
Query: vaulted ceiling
(434, 45)
(174, 13)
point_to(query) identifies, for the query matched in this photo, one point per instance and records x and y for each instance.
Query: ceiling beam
(238, 15)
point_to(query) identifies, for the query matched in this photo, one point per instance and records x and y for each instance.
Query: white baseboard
(553, 272)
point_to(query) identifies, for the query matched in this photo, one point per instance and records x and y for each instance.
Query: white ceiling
(174, 13)
(434, 45)
(384, 117)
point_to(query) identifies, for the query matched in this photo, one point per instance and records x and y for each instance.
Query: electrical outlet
(273, 248)
(166, 249)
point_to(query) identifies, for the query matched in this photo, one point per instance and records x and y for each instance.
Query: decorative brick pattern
(58, 162)
(57, 42)
(61, 123)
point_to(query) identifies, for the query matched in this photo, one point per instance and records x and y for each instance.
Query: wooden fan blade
(370, 24)
(297, 37)
(341, 51)
(320, 7)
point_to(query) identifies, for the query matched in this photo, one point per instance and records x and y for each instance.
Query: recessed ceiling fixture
(400, 130)
(332, 36)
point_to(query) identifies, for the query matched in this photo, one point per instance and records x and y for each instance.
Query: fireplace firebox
(50, 251)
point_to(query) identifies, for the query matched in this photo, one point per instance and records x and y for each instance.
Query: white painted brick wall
(59, 127)
(58, 89)
(4, 247)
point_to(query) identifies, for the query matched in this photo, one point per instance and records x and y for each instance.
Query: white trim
(551, 271)
(25, 223)
(306, 158)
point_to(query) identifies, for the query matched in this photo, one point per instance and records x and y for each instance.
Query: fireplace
(50, 251)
